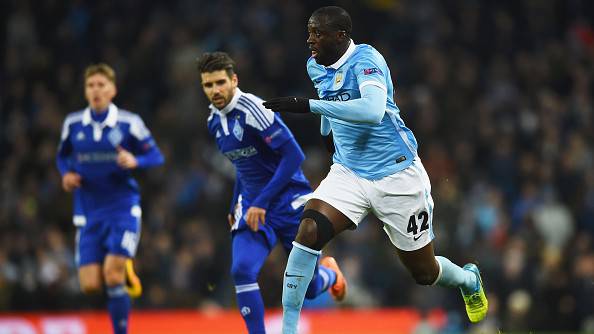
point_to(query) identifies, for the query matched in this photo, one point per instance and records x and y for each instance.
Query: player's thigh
(89, 241)
(341, 197)
(114, 269)
(403, 203)
(90, 278)
(249, 251)
(124, 233)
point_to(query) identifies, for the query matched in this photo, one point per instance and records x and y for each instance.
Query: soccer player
(99, 148)
(270, 188)
(376, 168)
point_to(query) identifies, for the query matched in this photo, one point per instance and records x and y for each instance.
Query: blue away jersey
(249, 135)
(372, 151)
(88, 148)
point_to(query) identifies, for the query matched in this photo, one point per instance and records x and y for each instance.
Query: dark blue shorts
(118, 234)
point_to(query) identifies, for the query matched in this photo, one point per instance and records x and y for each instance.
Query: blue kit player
(376, 168)
(270, 188)
(99, 147)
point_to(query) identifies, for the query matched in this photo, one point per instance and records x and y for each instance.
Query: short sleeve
(276, 134)
(143, 138)
(371, 69)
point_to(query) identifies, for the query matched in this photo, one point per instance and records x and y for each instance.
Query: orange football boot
(339, 289)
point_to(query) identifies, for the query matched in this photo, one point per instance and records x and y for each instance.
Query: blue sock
(452, 276)
(300, 269)
(118, 305)
(322, 280)
(251, 306)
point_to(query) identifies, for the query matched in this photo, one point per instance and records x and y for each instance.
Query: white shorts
(402, 201)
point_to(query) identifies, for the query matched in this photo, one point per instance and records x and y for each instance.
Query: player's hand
(125, 159)
(291, 104)
(254, 217)
(71, 181)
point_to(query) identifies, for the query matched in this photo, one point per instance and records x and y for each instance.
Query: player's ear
(115, 90)
(234, 79)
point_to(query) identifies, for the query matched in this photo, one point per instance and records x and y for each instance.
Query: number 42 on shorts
(413, 227)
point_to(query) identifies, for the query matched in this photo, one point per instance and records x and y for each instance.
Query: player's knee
(91, 287)
(307, 234)
(315, 230)
(114, 276)
(424, 276)
(424, 279)
(243, 273)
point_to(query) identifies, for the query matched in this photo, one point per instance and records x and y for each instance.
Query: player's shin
(299, 272)
(251, 307)
(118, 305)
(453, 276)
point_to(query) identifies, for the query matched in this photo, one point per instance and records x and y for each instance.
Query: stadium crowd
(498, 93)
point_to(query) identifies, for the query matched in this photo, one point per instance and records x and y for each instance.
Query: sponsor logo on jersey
(339, 97)
(244, 152)
(96, 157)
(80, 136)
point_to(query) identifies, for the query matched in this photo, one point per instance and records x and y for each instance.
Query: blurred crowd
(498, 93)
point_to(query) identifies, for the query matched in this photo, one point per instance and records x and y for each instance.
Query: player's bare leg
(319, 224)
(90, 278)
(427, 269)
(421, 264)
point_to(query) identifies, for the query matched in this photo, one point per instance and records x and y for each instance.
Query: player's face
(99, 91)
(219, 87)
(323, 41)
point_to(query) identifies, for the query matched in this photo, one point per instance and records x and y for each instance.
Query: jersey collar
(111, 119)
(345, 56)
(231, 104)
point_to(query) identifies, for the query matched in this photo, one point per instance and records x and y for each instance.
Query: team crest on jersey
(238, 131)
(115, 136)
(338, 78)
(80, 136)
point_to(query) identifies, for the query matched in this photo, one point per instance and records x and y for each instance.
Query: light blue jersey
(372, 151)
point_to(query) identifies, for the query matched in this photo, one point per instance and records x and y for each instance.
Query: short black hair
(215, 61)
(335, 18)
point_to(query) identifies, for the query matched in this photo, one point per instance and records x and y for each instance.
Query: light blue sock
(452, 276)
(118, 305)
(300, 269)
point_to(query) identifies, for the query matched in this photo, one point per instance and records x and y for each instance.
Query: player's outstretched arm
(370, 108)
(292, 104)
